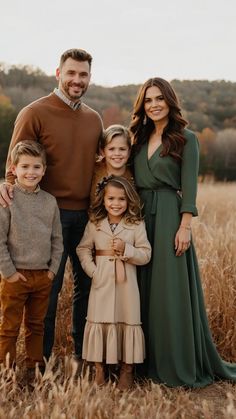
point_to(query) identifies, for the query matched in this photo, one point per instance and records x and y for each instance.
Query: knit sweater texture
(70, 138)
(30, 233)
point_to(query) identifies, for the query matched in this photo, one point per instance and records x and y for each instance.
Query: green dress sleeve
(189, 173)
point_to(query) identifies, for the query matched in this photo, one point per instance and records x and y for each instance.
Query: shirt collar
(37, 189)
(65, 99)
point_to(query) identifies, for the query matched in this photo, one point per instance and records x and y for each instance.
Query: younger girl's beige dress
(113, 330)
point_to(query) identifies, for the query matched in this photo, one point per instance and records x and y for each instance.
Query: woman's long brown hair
(173, 136)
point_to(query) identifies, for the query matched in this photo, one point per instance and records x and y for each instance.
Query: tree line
(210, 108)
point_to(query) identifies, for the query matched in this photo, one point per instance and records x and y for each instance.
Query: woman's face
(155, 106)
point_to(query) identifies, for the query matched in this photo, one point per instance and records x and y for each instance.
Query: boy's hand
(51, 275)
(6, 194)
(17, 276)
(118, 246)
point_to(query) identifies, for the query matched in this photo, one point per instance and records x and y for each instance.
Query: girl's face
(115, 202)
(155, 106)
(116, 154)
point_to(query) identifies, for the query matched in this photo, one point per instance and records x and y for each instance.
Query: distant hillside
(206, 105)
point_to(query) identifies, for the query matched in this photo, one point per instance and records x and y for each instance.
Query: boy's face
(29, 171)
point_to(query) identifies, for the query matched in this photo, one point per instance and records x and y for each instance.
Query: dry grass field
(59, 394)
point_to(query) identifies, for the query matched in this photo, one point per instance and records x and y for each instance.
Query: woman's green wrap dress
(180, 350)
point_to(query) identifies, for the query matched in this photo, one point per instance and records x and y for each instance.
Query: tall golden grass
(61, 394)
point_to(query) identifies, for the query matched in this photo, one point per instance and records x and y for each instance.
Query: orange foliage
(207, 140)
(112, 115)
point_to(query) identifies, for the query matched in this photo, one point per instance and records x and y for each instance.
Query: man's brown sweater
(70, 138)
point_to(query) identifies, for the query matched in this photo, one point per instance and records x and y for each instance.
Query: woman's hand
(118, 246)
(182, 240)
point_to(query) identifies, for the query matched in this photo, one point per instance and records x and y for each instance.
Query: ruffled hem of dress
(111, 343)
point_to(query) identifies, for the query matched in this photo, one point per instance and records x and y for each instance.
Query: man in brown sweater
(69, 131)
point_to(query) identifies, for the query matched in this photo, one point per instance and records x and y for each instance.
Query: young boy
(30, 253)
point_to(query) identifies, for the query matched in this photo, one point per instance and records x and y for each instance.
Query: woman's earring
(145, 120)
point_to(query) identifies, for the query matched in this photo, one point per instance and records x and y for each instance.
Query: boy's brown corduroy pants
(30, 298)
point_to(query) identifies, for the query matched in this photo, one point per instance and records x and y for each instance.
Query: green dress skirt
(179, 345)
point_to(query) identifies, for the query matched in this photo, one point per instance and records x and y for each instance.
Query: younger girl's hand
(118, 246)
(16, 277)
(182, 241)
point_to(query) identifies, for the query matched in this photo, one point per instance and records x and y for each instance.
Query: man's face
(74, 77)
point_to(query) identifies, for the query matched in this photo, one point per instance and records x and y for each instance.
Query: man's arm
(27, 127)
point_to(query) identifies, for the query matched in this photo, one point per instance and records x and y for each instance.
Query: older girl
(114, 149)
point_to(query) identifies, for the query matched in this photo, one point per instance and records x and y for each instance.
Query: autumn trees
(210, 108)
(7, 117)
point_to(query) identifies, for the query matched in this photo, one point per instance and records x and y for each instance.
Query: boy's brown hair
(29, 148)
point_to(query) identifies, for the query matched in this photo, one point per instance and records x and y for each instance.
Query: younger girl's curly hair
(133, 213)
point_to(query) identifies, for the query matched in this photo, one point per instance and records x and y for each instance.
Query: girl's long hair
(173, 140)
(132, 215)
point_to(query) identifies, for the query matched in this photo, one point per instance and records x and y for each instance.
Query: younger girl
(117, 234)
(115, 147)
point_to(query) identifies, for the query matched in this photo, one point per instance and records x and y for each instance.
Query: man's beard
(66, 88)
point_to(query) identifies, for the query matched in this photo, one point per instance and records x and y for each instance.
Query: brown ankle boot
(99, 374)
(126, 377)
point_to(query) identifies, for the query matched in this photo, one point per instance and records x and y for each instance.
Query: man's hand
(6, 194)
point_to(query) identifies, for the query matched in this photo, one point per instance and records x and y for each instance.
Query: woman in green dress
(180, 350)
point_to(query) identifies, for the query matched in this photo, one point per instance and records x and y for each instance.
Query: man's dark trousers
(73, 225)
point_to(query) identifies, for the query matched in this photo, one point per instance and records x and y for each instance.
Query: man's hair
(76, 54)
(29, 148)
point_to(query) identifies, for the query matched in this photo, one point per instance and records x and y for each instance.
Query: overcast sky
(130, 40)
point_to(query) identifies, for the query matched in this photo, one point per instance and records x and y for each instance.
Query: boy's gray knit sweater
(30, 233)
